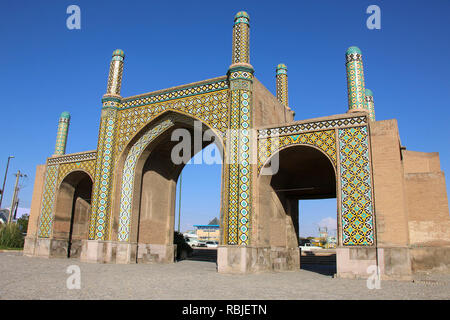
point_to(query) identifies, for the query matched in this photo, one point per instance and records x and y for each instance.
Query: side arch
(72, 213)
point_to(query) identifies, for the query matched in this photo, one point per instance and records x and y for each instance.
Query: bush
(11, 236)
(183, 249)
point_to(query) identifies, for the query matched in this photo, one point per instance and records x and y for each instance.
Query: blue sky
(47, 69)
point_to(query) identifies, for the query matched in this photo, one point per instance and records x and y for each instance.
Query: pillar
(101, 196)
(370, 105)
(238, 165)
(61, 136)
(355, 80)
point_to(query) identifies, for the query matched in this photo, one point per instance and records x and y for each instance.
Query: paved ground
(38, 278)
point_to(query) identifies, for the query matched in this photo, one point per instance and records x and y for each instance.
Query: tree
(23, 222)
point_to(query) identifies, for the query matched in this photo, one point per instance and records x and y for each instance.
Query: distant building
(4, 213)
(209, 232)
(331, 242)
(190, 234)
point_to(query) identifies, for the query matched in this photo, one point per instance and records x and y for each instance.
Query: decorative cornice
(175, 93)
(312, 126)
(73, 157)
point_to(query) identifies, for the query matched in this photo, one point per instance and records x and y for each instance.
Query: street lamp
(15, 194)
(4, 181)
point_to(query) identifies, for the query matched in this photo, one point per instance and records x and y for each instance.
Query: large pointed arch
(131, 163)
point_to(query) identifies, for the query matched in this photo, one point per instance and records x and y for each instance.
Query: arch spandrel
(199, 102)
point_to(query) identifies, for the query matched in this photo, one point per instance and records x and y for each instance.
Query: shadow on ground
(318, 263)
(206, 254)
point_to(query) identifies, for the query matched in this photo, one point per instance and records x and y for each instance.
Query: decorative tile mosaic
(66, 168)
(356, 187)
(143, 100)
(127, 184)
(238, 181)
(74, 157)
(312, 126)
(282, 85)
(211, 108)
(355, 81)
(61, 136)
(103, 181)
(45, 220)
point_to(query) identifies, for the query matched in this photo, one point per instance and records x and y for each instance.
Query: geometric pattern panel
(103, 180)
(127, 184)
(45, 220)
(324, 140)
(239, 173)
(195, 89)
(211, 108)
(356, 187)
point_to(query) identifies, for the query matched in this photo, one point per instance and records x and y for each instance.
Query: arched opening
(72, 210)
(197, 211)
(304, 173)
(156, 173)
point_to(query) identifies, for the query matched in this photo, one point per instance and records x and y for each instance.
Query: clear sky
(47, 68)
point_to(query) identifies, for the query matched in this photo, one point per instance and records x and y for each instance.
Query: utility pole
(4, 181)
(15, 194)
(179, 201)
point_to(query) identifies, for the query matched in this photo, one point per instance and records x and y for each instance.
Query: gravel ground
(40, 278)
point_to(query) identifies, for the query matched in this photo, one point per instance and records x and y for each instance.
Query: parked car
(192, 242)
(201, 243)
(212, 244)
(309, 247)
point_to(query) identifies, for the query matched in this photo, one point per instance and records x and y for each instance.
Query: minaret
(282, 85)
(115, 73)
(355, 80)
(241, 38)
(101, 200)
(61, 136)
(370, 104)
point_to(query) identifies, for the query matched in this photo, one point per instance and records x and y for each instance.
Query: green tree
(23, 222)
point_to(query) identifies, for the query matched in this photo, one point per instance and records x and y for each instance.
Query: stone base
(46, 248)
(29, 246)
(51, 248)
(148, 253)
(430, 259)
(235, 259)
(354, 262)
(362, 263)
(97, 251)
